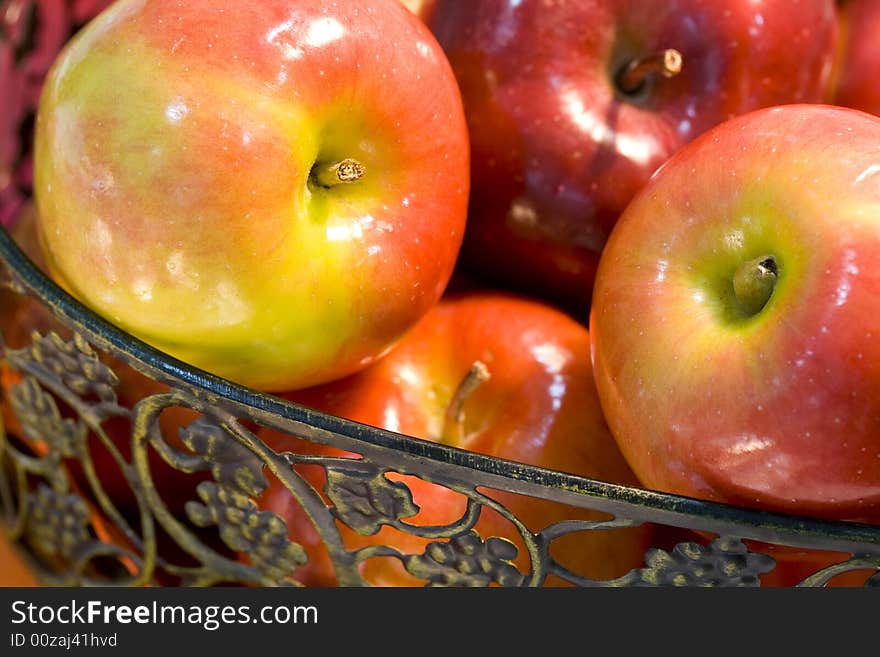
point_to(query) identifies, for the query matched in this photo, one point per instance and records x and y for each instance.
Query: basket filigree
(725, 562)
(365, 499)
(467, 561)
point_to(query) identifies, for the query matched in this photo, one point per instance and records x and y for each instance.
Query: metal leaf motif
(467, 560)
(262, 535)
(365, 499)
(74, 362)
(41, 420)
(725, 562)
(58, 523)
(231, 464)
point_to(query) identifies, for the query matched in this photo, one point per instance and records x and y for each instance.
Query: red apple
(736, 313)
(859, 66)
(538, 406)
(563, 136)
(273, 191)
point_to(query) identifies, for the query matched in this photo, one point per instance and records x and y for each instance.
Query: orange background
(13, 571)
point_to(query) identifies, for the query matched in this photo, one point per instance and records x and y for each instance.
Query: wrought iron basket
(164, 488)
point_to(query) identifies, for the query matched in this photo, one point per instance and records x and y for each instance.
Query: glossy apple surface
(559, 149)
(179, 154)
(860, 60)
(775, 405)
(539, 406)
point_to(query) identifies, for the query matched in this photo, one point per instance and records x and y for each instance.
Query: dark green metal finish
(78, 534)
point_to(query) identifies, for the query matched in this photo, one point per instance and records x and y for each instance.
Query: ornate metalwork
(725, 562)
(467, 560)
(98, 487)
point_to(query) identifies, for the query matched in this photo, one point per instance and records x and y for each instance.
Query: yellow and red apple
(272, 191)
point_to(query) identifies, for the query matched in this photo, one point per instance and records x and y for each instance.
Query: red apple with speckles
(736, 317)
(538, 406)
(570, 111)
(860, 59)
(272, 191)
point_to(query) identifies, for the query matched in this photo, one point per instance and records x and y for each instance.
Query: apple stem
(754, 282)
(338, 173)
(453, 425)
(667, 63)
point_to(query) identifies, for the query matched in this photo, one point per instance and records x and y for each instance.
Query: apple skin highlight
(173, 154)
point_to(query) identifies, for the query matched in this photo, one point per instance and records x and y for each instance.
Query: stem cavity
(754, 282)
(633, 77)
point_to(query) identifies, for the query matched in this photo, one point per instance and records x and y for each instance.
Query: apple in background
(272, 191)
(860, 60)
(538, 406)
(570, 111)
(736, 314)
